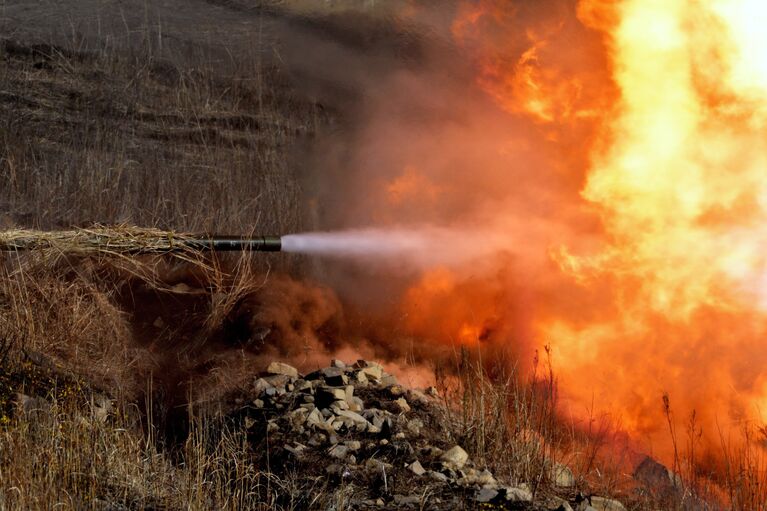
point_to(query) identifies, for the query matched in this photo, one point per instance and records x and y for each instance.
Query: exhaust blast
(419, 247)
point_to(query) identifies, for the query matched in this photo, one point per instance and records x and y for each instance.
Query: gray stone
(260, 386)
(339, 451)
(258, 403)
(486, 495)
(416, 468)
(455, 458)
(353, 445)
(401, 405)
(338, 364)
(338, 406)
(303, 386)
(360, 378)
(375, 372)
(438, 476)
(334, 376)
(354, 416)
(326, 395)
(280, 368)
(356, 404)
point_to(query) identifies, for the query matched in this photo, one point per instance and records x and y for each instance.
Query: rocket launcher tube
(235, 243)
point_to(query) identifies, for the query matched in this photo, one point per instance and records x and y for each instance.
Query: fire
(675, 172)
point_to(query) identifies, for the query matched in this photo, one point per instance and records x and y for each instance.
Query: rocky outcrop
(355, 426)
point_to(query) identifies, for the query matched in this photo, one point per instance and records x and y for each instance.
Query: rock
(280, 368)
(334, 376)
(454, 458)
(396, 391)
(401, 405)
(562, 476)
(303, 386)
(416, 468)
(519, 493)
(654, 476)
(432, 391)
(339, 451)
(278, 380)
(388, 381)
(416, 396)
(315, 419)
(258, 403)
(338, 406)
(375, 372)
(353, 416)
(360, 378)
(327, 395)
(353, 445)
(438, 476)
(605, 504)
(338, 364)
(356, 404)
(260, 386)
(486, 495)
(296, 450)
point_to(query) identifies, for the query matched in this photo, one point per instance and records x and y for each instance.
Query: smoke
(416, 248)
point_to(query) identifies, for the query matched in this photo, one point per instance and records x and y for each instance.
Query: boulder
(281, 368)
(454, 458)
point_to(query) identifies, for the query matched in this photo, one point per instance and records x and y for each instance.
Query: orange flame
(678, 282)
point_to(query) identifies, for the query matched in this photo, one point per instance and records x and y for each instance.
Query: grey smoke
(418, 248)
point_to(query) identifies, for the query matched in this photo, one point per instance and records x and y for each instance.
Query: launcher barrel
(236, 243)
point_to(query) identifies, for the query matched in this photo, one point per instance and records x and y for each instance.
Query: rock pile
(355, 426)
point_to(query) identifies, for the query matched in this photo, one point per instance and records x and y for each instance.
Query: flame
(677, 281)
